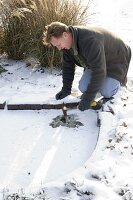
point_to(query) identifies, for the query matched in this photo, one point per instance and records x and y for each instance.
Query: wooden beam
(40, 106)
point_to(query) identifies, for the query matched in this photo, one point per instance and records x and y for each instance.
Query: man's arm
(95, 57)
(68, 72)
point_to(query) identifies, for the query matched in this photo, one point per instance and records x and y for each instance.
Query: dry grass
(23, 22)
(2, 40)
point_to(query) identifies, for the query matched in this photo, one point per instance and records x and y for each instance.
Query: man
(104, 56)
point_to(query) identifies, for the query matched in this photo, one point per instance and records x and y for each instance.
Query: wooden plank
(12, 107)
(2, 102)
(40, 106)
(2, 105)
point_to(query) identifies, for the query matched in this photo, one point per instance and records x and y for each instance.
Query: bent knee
(109, 93)
(110, 87)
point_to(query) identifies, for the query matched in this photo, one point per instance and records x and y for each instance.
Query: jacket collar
(74, 32)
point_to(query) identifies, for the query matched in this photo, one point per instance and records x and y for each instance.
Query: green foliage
(23, 22)
(2, 69)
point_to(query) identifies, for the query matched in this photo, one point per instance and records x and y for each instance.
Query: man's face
(63, 42)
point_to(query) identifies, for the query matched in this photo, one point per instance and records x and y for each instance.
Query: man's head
(58, 35)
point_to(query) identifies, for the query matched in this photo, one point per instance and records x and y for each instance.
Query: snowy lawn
(32, 152)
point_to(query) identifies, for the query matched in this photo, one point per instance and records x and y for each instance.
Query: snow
(35, 152)
(38, 161)
(32, 146)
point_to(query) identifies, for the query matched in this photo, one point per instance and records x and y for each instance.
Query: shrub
(2, 40)
(23, 22)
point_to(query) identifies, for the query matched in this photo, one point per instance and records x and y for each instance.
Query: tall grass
(2, 40)
(23, 22)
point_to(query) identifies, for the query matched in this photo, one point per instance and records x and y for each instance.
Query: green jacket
(99, 50)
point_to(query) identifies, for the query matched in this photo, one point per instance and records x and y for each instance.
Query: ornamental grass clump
(23, 23)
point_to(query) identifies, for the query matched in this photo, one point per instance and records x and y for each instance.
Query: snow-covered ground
(38, 161)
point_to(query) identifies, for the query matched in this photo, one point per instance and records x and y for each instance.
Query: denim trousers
(109, 87)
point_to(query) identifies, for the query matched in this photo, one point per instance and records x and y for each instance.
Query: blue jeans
(109, 88)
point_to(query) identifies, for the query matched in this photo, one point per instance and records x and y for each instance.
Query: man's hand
(62, 94)
(84, 104)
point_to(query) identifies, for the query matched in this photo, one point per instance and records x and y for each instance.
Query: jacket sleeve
(95, 57)
(68, 72)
